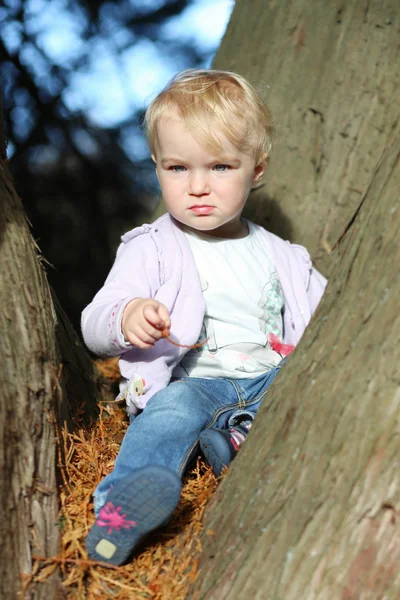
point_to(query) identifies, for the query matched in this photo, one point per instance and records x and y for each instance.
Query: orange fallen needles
(167, 564)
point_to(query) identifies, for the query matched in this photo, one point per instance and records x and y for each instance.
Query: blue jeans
(167, 431)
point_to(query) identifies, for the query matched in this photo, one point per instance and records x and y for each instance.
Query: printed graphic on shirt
(282, 349)
(244, 305)
(271, 303)
(255, 354)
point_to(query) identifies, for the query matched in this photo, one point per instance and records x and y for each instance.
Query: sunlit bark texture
(330, 72)
(42, 380)
(310, 508)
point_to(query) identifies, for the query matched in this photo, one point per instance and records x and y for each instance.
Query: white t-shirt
(244, 304)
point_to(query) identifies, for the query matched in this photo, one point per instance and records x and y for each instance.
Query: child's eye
(221, 168)
(178, 168)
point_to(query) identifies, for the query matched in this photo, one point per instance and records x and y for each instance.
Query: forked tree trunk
(39, 384)
(310, 508)
(330, 72)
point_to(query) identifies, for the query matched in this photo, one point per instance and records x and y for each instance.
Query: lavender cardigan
(155, 261)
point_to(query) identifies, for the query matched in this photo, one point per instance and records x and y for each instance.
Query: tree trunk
(310, 507)
(330, 73)
(40, 385)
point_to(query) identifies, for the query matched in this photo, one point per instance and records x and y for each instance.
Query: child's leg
(220, 446)
(221, 443)
(144, 487)
(165, 433)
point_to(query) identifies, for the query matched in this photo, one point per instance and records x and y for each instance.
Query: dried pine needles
(167, 565)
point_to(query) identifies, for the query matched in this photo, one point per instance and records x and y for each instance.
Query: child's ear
(260, 168)
(153, 158)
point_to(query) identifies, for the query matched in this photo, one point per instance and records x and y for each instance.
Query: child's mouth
(201, 209)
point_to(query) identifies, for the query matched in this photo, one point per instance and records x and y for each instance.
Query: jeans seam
(185, 459)
(241, 404)
(219, 412)
(242, 401)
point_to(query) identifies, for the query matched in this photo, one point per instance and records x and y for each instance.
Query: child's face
(203, 191)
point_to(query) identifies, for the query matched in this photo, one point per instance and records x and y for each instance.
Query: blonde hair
(211, 101)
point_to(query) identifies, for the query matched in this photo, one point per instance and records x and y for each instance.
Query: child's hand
(143, 321)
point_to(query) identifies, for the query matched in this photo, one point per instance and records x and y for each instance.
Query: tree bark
(310, 507)
(40, 384)
(330, 73)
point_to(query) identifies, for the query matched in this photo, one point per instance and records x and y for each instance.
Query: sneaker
(220, 446)
(135, 506)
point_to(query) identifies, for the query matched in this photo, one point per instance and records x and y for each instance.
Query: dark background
(81, 180)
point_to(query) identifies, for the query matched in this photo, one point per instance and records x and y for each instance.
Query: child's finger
(164, 314)
(147, 332)
(152, 316)
(137, 341)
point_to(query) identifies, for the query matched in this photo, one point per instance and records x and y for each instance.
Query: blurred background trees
(76, 76)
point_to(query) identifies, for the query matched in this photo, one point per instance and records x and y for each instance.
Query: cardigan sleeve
(314, 281)
(316, 288)
(135, 274)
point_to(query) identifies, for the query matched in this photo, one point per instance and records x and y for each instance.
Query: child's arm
(314, 281)
(134, 276)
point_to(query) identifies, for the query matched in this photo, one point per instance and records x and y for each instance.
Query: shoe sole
(144, 500)
(215, 450)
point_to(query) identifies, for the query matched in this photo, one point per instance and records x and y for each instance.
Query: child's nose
(198, 184)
